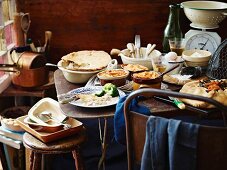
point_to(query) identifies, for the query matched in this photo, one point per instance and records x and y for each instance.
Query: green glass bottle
(172, 29)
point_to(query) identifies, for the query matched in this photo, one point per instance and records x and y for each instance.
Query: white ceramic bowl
(76, 76)
(194, 64)
(196, 55)
(205, 14)
(142, 61)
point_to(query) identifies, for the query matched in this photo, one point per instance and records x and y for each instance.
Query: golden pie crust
(213, 90)
(86, 60)
(146, 75)
(118, 73)
(134, 67)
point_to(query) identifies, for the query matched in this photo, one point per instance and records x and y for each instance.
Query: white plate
(93, 90)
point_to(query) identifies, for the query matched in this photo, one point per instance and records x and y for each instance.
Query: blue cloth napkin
(119, 120)
(169, 145)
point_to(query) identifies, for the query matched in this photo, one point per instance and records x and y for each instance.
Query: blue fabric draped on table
(119, 120)
(169, 145)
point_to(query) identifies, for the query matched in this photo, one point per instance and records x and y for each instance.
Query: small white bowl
(196, 55)
(142, 61)
(76, 76)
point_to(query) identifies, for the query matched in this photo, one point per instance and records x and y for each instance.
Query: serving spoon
(168, 70)
(47, 116)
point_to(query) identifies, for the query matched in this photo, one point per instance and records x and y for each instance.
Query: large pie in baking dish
(215, 89)
(86, 60)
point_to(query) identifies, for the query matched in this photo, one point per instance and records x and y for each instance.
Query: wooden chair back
(212, 141)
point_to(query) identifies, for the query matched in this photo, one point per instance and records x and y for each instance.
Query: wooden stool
(67, 144)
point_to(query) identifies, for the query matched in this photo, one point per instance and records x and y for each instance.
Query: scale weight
(202, 40)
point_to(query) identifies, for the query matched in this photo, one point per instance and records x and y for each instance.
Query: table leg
(102, 136)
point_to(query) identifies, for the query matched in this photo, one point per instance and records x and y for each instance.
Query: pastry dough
(215, 89)
(175, 80)
(86, 60)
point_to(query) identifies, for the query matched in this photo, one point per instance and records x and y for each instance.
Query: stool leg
(37, 161)
(78, 159)
(31, 160)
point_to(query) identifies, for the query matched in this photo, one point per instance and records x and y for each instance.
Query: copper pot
(32, 71)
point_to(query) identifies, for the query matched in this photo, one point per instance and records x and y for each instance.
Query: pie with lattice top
(86, 60)
(215, 89)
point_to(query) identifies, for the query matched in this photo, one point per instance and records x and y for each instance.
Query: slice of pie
(86, 60)
(215, 89)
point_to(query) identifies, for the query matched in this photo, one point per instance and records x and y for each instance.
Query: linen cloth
(119, 120)
(169, 145)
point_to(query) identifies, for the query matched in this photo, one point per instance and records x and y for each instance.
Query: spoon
(168, 70)
(137, 46)
(25, 25)
(54, 65)
(131, 48)
(47, 116)
(149, 49)
(48, 35)
(115, 51)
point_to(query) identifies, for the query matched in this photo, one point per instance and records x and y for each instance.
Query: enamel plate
(92, 103)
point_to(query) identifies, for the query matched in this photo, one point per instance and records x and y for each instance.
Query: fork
(48, 116)
(137, 45)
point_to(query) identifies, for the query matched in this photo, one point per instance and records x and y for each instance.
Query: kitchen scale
(204, 15)
(202, 40)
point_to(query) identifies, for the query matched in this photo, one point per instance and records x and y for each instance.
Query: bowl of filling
(80, 66)
(114, 76)
(8, 118)
(150, 79)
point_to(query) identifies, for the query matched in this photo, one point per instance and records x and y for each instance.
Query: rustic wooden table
(63, 86)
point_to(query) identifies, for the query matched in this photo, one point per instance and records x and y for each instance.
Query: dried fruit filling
(213, 84)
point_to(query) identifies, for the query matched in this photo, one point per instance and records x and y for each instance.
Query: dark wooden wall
(99, 24)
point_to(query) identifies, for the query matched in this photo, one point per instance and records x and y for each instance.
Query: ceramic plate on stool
(46, 105)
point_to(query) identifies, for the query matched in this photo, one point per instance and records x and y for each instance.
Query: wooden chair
(212, 141)
(67, 144)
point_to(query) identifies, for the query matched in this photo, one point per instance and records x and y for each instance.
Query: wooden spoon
(149, 49)
(48, 36)
(170, 69)
(25, 25)
(131, 48)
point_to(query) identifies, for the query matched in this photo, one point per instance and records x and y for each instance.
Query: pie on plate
(214, 89)
(86, 60)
